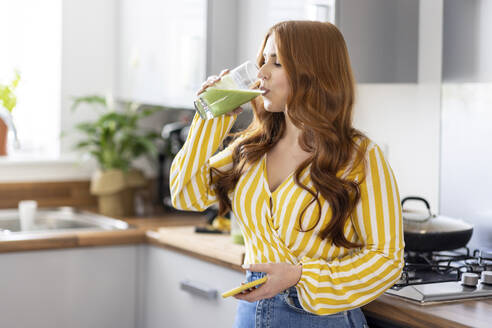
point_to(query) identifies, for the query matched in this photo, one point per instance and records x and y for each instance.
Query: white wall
(404, 118)
(466, 157)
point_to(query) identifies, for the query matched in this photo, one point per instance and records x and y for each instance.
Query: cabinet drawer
(182, 291)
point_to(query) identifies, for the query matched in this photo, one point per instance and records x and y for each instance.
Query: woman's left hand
(280, 277)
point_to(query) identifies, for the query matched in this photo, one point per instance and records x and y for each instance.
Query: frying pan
(427, 232)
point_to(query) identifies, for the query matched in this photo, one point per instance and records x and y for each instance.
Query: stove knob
(469, 279)
(487, 277)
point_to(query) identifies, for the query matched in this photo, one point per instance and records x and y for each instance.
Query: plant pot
(3, 138)
(118, 205)
(115, 190)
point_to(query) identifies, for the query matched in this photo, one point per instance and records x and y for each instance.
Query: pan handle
(417, 198)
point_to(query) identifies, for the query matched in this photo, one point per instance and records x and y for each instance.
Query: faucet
(7, 118)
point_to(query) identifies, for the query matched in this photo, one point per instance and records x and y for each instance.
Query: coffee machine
(174, 135)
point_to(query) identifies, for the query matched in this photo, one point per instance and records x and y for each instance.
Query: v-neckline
(265, 174)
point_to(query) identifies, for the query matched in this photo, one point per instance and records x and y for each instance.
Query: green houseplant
(8, 100)
(115, 140)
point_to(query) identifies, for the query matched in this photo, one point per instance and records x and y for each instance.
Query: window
(30, 33)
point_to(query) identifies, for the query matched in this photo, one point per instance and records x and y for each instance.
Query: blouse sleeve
(327, 287)
(189, 174)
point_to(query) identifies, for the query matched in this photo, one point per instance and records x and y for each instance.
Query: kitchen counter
(175, 232)
(471, 313)
(215, 248)
(136, 235)
(387, 309)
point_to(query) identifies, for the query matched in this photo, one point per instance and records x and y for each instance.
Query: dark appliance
(174, 136)
(444, 276)
(427, 232)
(438, 265)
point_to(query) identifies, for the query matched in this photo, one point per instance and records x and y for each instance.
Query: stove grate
(444, 266)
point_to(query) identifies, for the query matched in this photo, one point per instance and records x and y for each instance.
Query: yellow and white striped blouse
(333, 278)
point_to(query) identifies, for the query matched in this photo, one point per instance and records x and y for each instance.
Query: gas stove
(437, 277)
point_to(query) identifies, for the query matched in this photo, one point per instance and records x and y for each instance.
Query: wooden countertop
(220, 250)
(470, 313)
(173, 231)
(136, 235)
(214, 248)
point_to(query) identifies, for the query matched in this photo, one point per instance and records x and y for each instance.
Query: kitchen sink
(60, 219)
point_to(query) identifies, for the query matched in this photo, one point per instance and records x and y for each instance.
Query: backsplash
(404, 119)
(467, 157)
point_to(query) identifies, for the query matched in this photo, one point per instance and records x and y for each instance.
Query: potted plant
(8, 101)
(115, 140)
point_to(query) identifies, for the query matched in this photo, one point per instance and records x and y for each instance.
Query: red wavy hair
(315, 57)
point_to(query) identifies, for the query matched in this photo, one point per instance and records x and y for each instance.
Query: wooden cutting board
(216, 246)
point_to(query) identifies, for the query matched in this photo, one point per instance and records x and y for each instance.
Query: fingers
(280, 276)
(254, 295)
(246, 292)
(260, 267)
(211, 80)
(235, 111)
(241, 296)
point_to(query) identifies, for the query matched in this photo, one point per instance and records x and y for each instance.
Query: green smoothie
(238, 238)
(221, 101)
(223, 97)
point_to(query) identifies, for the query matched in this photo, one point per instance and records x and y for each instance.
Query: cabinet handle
(195, 288)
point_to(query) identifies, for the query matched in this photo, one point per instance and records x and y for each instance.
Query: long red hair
(315, 57)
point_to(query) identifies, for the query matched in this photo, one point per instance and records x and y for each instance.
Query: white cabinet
(166, 304)
(161, 51)
(167, 48)
(82, 287)
(466, 41)
(382, 38)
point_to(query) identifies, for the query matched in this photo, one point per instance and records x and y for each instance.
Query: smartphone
(241, 288)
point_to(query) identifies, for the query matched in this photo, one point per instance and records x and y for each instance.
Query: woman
(316, 200)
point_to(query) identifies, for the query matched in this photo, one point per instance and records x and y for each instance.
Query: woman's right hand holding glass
(212, 80)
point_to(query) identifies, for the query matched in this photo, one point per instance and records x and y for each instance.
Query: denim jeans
(284, 311)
